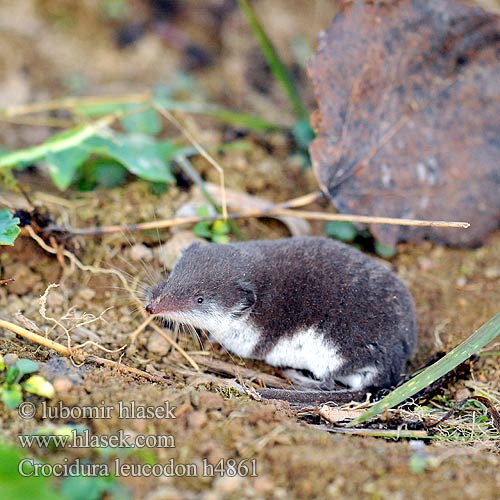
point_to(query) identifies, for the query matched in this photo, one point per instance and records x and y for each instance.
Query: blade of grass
(485, 334)
(57, 143)
(94, 107)
(220, 113)
(277, 67)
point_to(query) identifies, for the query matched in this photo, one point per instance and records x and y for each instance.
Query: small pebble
(141, 253)
(86, 294)
(263, 484)
(10, 359)
(425, 263)
(25, 278)
(197, 419)
(55, 299)
(157, 344)
(164, 493)
(211, 401)
(228, 484)
(62, 385)
(462, 394)
(492, 273)
(169, 252)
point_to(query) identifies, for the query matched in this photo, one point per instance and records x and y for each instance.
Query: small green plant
(137, 148)
(215, 231)
(22, 487)
(349, 233)
(9, 227)
(342, 231)
(480, 338)
(14, 380)
(94, 488)
(31, 484)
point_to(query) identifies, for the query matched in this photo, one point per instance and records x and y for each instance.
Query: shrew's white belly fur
(237, 336)
(306, 350)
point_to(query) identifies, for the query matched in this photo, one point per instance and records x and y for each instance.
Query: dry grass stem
(276, 211)
(93, 269)
(73, 353)
(167, 114)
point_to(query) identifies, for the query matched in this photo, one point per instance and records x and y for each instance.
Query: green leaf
(341, 230)
(93, 488)
(38, 385)
(202, 229)
(158, 188)
(9, 228)
(220, 227)
(18, 481)
(12, 395)
(146, 122)
(12, 376)
(109, 173)
(488, 332)
(100, 171)
(225, 115)
(26, 366)
(303, 133)
(203, 211)
(83, 488)
(57, 143)
(93, 110)
(64, 164)
(385, 251)
(2, 363)
(417, 463)
(138, 153)
(220, 238)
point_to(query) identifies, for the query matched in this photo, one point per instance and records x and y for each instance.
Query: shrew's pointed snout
(154, 307)
(165, 304)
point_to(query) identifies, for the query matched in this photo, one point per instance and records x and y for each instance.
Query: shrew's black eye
(200, 300)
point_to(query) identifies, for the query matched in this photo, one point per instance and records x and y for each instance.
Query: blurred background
(202, 51)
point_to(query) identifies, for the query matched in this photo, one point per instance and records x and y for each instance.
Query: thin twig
(185, 164)
(81, 355)
(34, 337)
(93, 269)
(303, 200)
(385, 433)
(37, 121)
(366, 219)
(271, 212)
(71, 103)
(167, 114)
(495, 415)
(140, 328)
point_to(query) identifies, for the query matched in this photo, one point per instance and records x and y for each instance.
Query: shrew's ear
(248, 297)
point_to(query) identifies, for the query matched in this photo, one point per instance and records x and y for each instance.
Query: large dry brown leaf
(408, 122)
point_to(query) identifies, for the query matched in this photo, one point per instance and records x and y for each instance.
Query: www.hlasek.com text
(83, 438)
